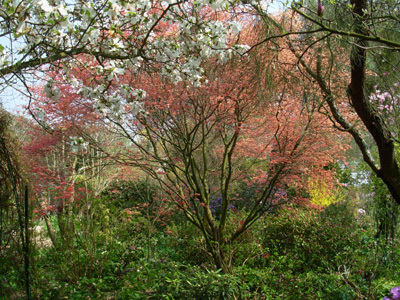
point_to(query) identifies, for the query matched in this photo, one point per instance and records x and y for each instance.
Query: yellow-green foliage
(322, 195)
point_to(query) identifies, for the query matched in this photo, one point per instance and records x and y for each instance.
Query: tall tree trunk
(389, 170)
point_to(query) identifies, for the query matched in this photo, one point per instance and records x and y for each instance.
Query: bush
(171, 280)
(128, 194)
(306, 239)
(186, 244)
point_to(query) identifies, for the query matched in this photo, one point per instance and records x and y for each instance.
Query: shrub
(128, 194)
(186, 244)
(306, 239)
(171, 280)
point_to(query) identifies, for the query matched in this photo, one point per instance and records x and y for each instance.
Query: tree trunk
(389, 170)
(50, 231)
(219, 258)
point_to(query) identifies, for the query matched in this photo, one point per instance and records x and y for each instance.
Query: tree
(14, 206)
(114, 34)
(371, 29)
(66, 168)
(198, 142)
(197, 135)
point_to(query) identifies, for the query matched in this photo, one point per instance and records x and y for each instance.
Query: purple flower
(216, 205)
(395, 293)
(320, 9)
(387, 298)
(132, 248)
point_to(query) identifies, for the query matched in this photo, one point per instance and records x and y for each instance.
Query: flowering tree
(115, 34)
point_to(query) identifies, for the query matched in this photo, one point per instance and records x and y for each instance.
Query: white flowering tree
(116, 35)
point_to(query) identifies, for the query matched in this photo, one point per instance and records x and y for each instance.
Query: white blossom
(51, 91)
(121, 35)
(40, 115)
(77, 143)
(136, 107)
(45, 6)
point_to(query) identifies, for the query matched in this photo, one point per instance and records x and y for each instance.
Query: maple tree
(181, 122)
(66, 166)
(202, 139)
(199, 142)
(357, 31)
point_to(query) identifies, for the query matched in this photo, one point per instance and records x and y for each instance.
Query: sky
(12, 100)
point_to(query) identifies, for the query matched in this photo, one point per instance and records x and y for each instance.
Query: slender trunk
(217, 247)
(27, 269)
(50, 231)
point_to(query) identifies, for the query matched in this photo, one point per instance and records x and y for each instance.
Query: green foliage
(305, 239)
(128, 194)
(386, 210)
(343, 174)
(295, 253)
(171, 280)
(142, 199)
(188, 245)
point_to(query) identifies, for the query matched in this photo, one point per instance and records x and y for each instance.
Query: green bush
(306, 239)
(171, 280)
(271, 283)
(128, 194)
(187, 245)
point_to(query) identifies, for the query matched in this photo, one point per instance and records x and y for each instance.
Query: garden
(203, 149)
